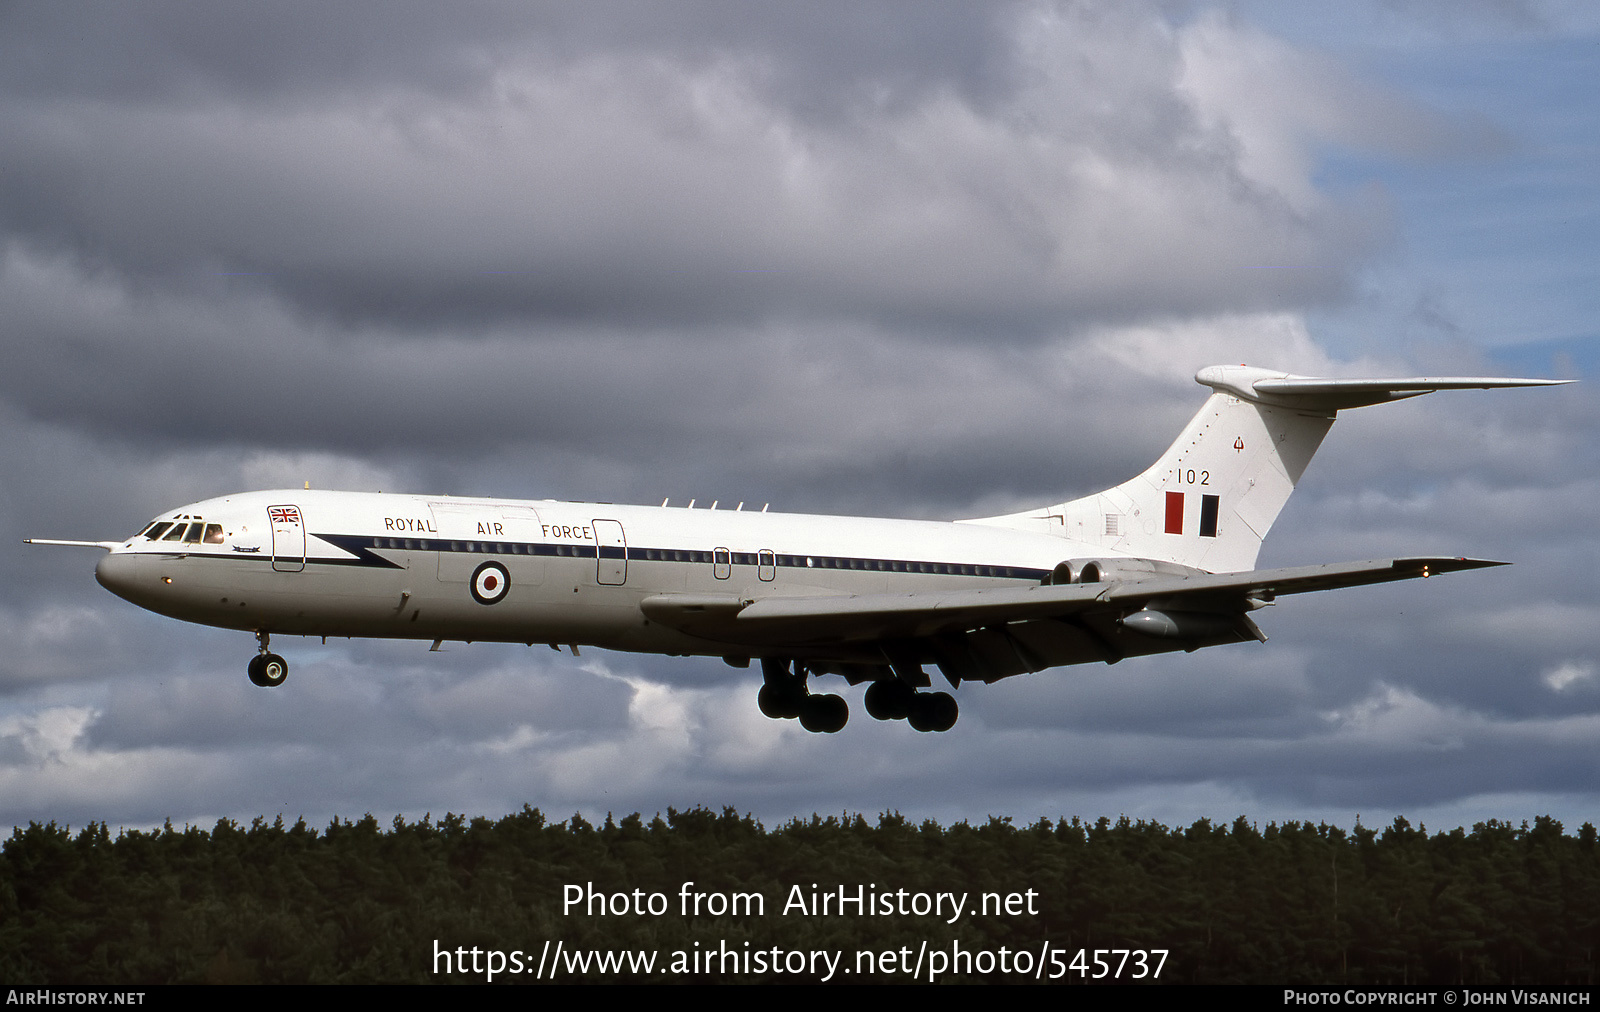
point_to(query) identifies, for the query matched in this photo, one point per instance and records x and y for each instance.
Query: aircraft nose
(117, 573)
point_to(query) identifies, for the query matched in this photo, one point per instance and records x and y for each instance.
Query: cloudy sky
(900, 259)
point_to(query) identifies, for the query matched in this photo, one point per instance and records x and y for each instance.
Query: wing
(991, 634)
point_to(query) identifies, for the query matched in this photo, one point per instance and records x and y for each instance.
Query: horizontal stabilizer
(1286, 389)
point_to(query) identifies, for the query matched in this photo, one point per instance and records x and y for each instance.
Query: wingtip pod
(1266, 386)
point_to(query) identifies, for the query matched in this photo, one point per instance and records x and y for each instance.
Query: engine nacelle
(1115, 570)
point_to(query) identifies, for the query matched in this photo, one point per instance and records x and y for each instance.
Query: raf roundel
(490, 582)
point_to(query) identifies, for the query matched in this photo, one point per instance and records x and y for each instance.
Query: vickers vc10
(1162, 562)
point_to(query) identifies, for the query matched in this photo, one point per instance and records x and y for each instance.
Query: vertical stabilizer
(1210, 499)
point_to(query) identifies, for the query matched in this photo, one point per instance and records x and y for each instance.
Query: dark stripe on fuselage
(357, 545)
(363, 548)
(701, 557)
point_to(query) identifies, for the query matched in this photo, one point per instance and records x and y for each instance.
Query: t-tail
(1208, 502)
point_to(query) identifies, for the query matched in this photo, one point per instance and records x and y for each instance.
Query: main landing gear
(892, 699)
(267, 669)
(784, 695)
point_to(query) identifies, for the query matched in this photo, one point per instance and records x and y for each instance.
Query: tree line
(357, 902)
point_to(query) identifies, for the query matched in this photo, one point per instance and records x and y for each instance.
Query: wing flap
(913, 616)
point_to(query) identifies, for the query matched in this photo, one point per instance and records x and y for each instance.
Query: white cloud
(1281, 105)
(1567, 674)
(47, 735)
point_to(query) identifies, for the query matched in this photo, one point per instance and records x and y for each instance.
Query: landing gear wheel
(889, 699)
(824, 714)
(783, 692)
(780, 701)
(934, 711)
(268, 670)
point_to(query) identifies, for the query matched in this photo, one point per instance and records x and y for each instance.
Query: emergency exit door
(611, 553)
(288, 539)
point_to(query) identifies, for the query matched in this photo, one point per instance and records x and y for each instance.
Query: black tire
(254, 670)
(945, 711)
(889, 699)
(824, 714)
(934, 711)
(269, 670)
(780, 702)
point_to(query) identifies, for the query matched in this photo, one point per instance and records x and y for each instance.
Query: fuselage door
(288, 539)
(611, 553)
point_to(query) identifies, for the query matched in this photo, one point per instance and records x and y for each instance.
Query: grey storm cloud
(654, 185)
(171, 51)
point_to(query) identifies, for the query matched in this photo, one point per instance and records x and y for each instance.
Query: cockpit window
(213, 534)
(193, 536)
(155, 530)
(176, 534)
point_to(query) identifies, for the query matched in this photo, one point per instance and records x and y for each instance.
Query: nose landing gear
(267, 669)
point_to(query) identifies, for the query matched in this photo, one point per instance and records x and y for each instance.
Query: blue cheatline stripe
(362, 547)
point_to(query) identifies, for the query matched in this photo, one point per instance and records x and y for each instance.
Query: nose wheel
(267, 669)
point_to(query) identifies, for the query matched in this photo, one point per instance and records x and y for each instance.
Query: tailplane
(1209, 500)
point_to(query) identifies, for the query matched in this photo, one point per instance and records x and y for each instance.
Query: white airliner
(1159, 563)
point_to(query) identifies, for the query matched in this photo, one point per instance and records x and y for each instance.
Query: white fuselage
(436, 567)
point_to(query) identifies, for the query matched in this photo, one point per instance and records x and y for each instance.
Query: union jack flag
(283, 514)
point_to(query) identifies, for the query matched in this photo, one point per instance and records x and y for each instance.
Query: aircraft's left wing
(874, 616)
(991, 633)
